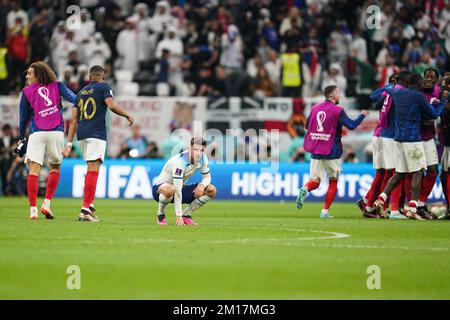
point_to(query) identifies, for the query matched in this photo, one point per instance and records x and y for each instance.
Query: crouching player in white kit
(171, 184)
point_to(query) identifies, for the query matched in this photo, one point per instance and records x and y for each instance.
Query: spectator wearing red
(18, 52)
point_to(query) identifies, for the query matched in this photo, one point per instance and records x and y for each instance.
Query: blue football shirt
(92, 110)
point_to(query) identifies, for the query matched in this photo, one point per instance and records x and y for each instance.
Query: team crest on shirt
(178, 172)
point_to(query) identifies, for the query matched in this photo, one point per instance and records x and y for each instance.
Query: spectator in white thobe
(126, 47)
(97, 51)
(143, 27)
(174, 45)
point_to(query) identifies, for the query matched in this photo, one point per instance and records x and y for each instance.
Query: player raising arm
(323, 141)
(171, 184)
(88, 121)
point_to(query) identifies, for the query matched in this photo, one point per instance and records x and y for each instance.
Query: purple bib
(45, 101)
(427, 129)
(383, 119)
(322, 126)
(378, 129)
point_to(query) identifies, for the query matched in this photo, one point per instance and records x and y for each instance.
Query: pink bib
(322, 127)
(45, 101)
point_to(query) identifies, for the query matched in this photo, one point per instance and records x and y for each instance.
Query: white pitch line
(299, 241)
(371, 247)
(288, 242)
(329, 235)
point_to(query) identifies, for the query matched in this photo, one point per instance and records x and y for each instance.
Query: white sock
(91, 205)
(383, 196)
(413, 206)
(162, 204)
(365, 200)
(395, 212)
(197, 203)
(420, 203)
(33, 212)
(47, 203)
(370, 209)
(87, 209)
(325, 211)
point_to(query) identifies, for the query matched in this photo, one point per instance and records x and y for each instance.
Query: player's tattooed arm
(114, 107)
(71, 134)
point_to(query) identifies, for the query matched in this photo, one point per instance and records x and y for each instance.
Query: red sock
(369, 192)
(427, 185)
(375, 188)
(407, 186)
(52, 184)
(401, 203)
(331, 193)
(90, 185)
(387, 175)
(444, 177)
(311, 185)
(33, 188)
(396, 196)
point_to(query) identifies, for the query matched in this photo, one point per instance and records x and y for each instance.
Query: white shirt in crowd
(85, 31)
(126, 47)
(161, 20)
(273, 69)
(231, 56)
(359, 44)
(97, 51)
(338, 80)
(11, 18)
(144, 44)
(385, 23)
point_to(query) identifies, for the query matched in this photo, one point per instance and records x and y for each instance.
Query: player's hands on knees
(66, 151)
(199, 191)
(365, 113)
(130, 120)
(180, 221)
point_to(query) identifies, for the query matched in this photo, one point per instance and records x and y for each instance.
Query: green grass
(241, 250)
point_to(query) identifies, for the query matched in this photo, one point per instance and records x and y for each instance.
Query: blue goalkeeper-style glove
(21, 148)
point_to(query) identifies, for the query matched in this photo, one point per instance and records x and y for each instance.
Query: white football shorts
(41, 143)
(93, 149)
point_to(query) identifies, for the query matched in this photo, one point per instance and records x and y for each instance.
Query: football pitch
(241, 250)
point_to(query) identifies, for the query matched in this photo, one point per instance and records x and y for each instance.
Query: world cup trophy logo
(320, 117)
(44, 93)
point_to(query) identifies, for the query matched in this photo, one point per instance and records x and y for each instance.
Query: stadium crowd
(225, 47)
(261, 48)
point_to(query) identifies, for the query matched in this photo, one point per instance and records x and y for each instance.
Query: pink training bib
(45, 101)
(322, 127)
